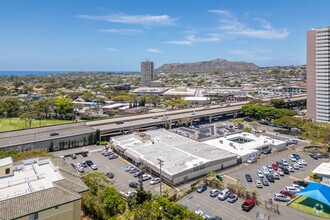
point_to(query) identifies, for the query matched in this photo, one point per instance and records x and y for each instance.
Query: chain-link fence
(269, 205)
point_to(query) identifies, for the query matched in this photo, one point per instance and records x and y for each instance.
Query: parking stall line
(230, 177)
(246, 164)
(294, 178)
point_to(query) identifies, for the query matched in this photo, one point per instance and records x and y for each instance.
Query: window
(7, 170)
(34, 216)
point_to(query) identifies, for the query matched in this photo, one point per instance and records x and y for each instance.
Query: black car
(285, 170)
(110, 175)
(137, 174)
(279, 164)
(314, 156)
(301, 183)
(54, 134)
(296, 156)
(119, 122)
(216, 218)
(84, 154)
(89, 162)
(134, 184)
(201, 188)
(294, 142)
(248, 177)
(269, 177)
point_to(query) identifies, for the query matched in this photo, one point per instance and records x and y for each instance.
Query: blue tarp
(319, 192)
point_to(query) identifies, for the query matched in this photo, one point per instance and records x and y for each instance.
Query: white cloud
(232, 26)
(153, 50)
(133, 19)
(113, 49)
(190, 39)
(122, 31)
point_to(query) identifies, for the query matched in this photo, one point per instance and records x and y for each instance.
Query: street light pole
(160, 175)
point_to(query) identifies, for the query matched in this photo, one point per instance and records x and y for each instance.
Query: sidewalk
(90, 148)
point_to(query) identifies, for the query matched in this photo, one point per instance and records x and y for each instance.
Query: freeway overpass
(40, 137)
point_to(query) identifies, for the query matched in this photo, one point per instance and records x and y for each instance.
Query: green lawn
(311, 206)
(17, 123)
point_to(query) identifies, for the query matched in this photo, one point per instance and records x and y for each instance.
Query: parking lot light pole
(160, 175)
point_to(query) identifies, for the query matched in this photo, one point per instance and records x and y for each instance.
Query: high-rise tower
(147, 73)
(318, 74)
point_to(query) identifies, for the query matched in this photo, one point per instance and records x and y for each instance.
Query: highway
(26, 136)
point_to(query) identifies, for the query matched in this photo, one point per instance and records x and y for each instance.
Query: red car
(248, 205)
(287, 193)
(275, 167)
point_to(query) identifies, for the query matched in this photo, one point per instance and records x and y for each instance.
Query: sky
(116, 35)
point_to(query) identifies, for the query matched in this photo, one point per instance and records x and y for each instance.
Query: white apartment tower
(318, 74)
(147, 73)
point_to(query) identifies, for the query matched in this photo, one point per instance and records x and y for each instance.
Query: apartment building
(318, 74)
(147, 73)
(39, 189)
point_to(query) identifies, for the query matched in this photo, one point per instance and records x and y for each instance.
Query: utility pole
(160, 175)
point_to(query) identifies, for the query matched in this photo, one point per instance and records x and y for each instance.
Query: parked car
(285, 163)
(291, 189)
(252, 160)
(83, 163)
(146, 177)
(319, 155)
(299, 164)
(108, 153)
(207, 217)
(248, 205)
(294, 142)
(103, 151)
(264, 181)
(280, 172)
(130, 193)
(248, 177)
(267, 151)
(269, 177)
(297, 186)
(232, 198)
(223, 194)
(292, 158)
(295, 166)
(80, 169)
(138, 174)
(275, 167)
(314, 156)
(119, 122)
(301, 183)
(276, 176)
(73, 156)
(270, 168)
(134, 184)
(290, 168)
(279, 164)
(201, 188)
(155, 117)
(260, 174)
(264, 169)
(133, 170)
(285, 170)
(199, 212)
(110, 175)
(258, 183)
(155, 181)
(303, 162)
(84, 154)
(287, 193)
(94, 167)
(296, 156)
(214, 192)
(89, 162)
(113, 156)
(127, 169)
(281, 197)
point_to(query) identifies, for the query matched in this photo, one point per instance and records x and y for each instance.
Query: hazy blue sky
(118, 34)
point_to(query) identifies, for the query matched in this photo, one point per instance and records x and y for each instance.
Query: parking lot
(212, 206)
(267, 192)
(117, 167)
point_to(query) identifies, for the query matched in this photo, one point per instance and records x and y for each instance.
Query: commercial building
(198, 100)
(323, 170)
(147, 73)
(246, 145)
(182, 91)
(184, 159)
(149, 90)
(40, 189)
(318, 74)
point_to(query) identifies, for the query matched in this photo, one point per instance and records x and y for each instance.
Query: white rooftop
(181, 91)
(196, 98)
(31, 176)
(5, 161)
(178, 153)
(241, 149)
(323, 168)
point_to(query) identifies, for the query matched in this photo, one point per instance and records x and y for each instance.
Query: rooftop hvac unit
(221, 141)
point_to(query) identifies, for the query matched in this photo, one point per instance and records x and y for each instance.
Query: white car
(103, 151)
(276, 176)
(292, 158)
(281, 197)
(303, 162)
(129, 193)
(285, 163)
(199, 212)
(292, 189)
(155, 181)
(146, 177)
(260, 174)
(299, 164)
(290, 168)
(297, 186)
(270, 168)
(258, 183)
(280, 172)
(295, 166)
(264, 169)
(94, 167)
